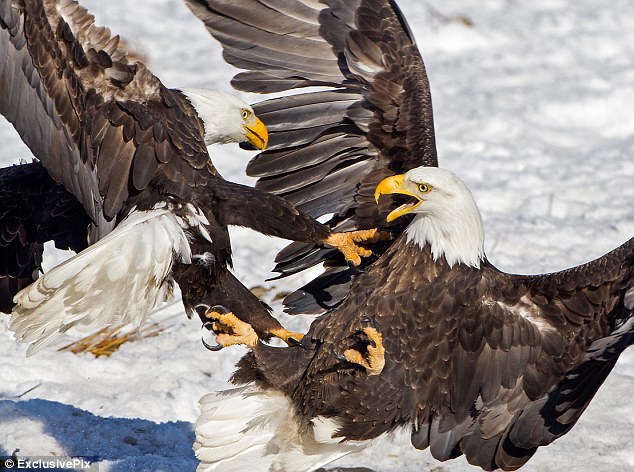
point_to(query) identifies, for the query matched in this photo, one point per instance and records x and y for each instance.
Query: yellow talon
(369, 235)
(233, 331)
(374, 360)
(345, 242)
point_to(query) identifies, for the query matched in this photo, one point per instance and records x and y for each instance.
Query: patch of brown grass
(107, 340)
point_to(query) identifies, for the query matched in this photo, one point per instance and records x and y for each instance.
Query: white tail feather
(117, 280)
(252, 429)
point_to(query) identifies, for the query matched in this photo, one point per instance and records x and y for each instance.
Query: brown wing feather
(93, 111)
(520, 389)
(329, 149)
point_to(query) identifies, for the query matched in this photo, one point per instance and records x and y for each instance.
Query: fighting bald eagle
(429, 336)
(149, 205)
(470, 359)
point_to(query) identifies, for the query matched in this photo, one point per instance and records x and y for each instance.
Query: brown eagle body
(478, 362)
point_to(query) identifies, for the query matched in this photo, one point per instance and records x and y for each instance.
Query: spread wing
(330, 147)
(100, 122)
(512, 390)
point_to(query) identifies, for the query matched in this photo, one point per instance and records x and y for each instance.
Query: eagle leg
(374, 359)
(229, 329)
(346, 243)
(289, 337)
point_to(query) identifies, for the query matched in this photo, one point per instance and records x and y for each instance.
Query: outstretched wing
(329, 148)
(100, 122)
(509, 398)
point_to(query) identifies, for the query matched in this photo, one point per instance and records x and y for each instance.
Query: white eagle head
(227, 118)
(447, 217)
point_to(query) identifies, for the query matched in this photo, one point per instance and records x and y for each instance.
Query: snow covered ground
(533, 107)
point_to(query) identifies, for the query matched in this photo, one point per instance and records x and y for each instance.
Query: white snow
(534, 111)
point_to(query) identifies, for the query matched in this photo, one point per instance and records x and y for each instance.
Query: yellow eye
(424, 188)
(245, 114)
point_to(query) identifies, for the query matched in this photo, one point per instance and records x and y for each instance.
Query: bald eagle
(124, 177)
(426, 335)
(470, 359)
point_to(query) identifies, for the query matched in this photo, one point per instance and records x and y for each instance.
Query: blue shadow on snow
(131, 443)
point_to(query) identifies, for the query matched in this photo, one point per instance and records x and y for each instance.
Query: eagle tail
(249, 428)
(117, 280)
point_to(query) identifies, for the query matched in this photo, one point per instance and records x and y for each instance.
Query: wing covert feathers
(97, 119)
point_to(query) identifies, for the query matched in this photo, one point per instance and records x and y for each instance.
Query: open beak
(397, 184)
(257, 135)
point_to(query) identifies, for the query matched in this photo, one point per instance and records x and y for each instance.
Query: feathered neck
(455, 232)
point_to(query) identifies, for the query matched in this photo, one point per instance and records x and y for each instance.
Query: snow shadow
(127, 443)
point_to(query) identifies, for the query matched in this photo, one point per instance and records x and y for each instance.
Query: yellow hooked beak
(257, 134)
(397, 184)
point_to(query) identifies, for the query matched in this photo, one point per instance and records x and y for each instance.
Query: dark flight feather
(378, 108)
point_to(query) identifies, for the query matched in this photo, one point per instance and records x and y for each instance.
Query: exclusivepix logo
(40, 463)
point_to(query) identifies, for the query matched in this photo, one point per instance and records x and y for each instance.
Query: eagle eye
(245, 114)
(424, 188)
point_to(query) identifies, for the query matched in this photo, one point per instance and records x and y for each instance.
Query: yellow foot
(345, 242)
(374, 360)
(229, 329)
(289, 337)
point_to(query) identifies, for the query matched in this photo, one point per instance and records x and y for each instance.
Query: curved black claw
(355, 270)
(214, 347)
(201, 309)
(295, 343)
(223, 310)
(371, 321)
(339, 357)
(208, 325)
